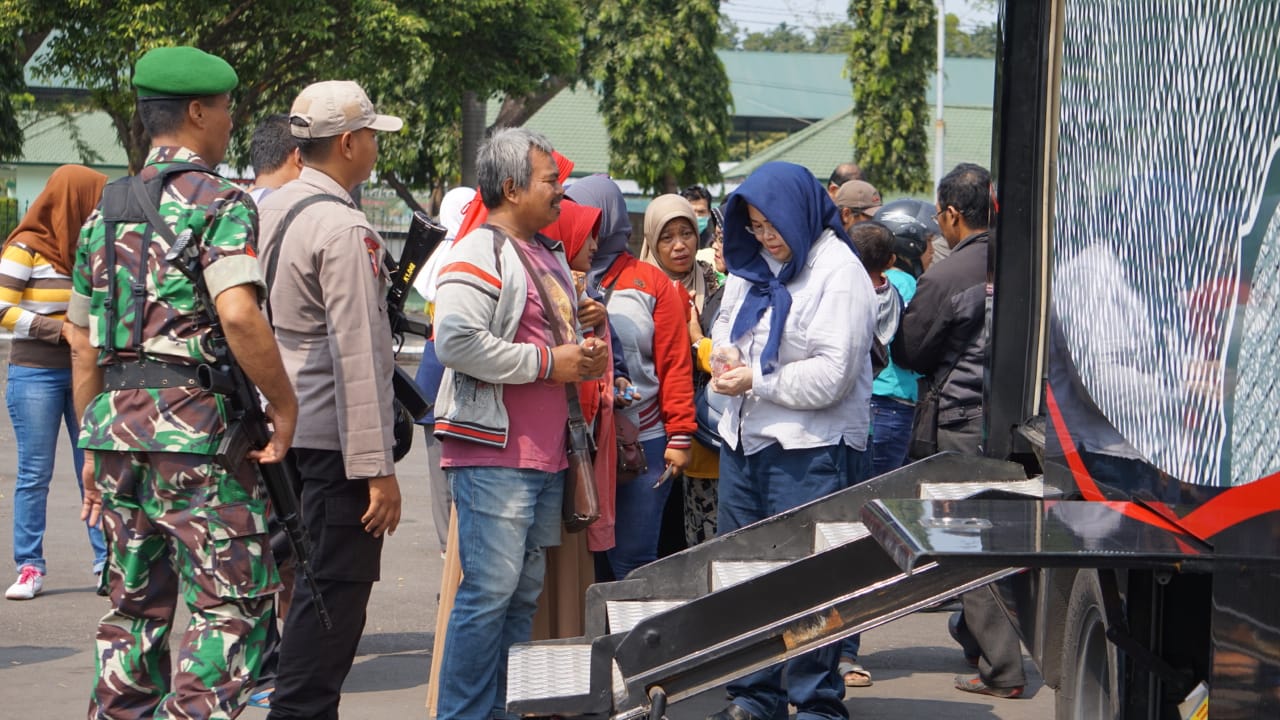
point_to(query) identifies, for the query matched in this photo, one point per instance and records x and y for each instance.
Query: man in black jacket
(944, 336)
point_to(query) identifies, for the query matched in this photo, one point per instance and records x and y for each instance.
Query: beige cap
(860, 196)
(332, 107)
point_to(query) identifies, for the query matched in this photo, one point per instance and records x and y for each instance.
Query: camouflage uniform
(171, 515)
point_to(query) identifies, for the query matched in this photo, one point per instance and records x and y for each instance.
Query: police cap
(179, 72)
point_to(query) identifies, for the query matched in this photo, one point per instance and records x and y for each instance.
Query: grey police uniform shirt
(329, 309)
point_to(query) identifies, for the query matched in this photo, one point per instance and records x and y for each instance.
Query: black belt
(149, 374)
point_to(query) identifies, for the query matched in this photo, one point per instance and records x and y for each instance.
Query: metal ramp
(752, 598)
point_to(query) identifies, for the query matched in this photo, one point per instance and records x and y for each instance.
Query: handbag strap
(571, 389)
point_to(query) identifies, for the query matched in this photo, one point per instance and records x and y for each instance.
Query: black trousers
(986, 625)
(314, 662)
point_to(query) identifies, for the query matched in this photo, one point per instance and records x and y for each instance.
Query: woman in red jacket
(650, 317)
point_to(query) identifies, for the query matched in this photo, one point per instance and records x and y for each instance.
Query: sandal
(974, 684)
(854, 674)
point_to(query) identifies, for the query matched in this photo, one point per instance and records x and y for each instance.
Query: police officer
(324, 265)
(175, 519)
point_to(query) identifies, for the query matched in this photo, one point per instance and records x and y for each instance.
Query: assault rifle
(424, 236)
(247, 423)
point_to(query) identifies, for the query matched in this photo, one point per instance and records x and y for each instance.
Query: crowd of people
(750, 356)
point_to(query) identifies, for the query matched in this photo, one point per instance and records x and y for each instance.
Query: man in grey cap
(327, 300)
(858, 201)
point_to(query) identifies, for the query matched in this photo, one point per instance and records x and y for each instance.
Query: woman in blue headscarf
(792, 350)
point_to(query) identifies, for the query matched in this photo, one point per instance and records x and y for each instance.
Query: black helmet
(913, 226)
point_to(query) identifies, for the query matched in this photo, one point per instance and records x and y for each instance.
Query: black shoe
(732, 712)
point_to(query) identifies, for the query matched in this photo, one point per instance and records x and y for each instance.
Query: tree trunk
(516, 111)
(669, 184)
(402, 191)
(473, 111)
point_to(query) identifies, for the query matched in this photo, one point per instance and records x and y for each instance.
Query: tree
(12, 96)
(894, 45)
(664, 92)
(980, 43)
(729, 36)
(478, 51)
(833, 38)
(416, 59)
(782, 38)
(95, 43)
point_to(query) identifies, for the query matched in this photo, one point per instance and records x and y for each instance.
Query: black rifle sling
(147, 203)
(272, 258)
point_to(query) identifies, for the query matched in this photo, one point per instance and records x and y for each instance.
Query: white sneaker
(30, 583)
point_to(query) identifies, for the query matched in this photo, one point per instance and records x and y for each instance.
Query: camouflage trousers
(178, 523)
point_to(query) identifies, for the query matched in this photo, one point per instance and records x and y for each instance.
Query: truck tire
(1090, 688)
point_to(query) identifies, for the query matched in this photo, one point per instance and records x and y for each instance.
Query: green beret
(176, 72)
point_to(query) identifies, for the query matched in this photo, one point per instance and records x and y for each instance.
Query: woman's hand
(695, 325)
(678, 458)
(590, 312)
(624, 393)
(736, 381)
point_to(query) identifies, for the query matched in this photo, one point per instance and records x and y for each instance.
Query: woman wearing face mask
(649, 315)
(792, 353)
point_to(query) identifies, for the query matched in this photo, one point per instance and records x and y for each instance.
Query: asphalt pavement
(46, 644)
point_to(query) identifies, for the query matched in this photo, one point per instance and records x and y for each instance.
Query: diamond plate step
(731, 572)
(626, 614)
(960, 491)
(537, 672)
(834, 534)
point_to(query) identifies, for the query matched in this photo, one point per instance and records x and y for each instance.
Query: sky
(807, 14)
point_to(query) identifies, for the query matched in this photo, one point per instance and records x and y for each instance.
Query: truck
(1127, 503)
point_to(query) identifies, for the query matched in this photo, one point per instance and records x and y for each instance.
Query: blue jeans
(506, 517)
(891, 433)
(639, 514)
(754, 487)
(39, 400)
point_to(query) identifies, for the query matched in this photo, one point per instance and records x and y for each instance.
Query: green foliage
(96, 42)
(729, 35)
(894, 46)
(978, 43)
(744, 144)
(832, 38)
(664, 93)
(782, 38)
(415, 58)
(484, 47)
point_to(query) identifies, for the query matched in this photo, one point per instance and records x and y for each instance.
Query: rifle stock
(424, 236)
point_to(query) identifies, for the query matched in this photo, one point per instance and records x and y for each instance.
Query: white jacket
(820, 394)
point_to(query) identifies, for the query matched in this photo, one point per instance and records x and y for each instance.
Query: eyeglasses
(765, 230)
(937, 217)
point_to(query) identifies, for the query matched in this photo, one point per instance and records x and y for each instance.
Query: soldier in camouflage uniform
(175, 519)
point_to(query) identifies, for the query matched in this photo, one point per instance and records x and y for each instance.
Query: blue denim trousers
(757, 486)
(39, 400)
(890, 433)
(506, 517)
(638, 518)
